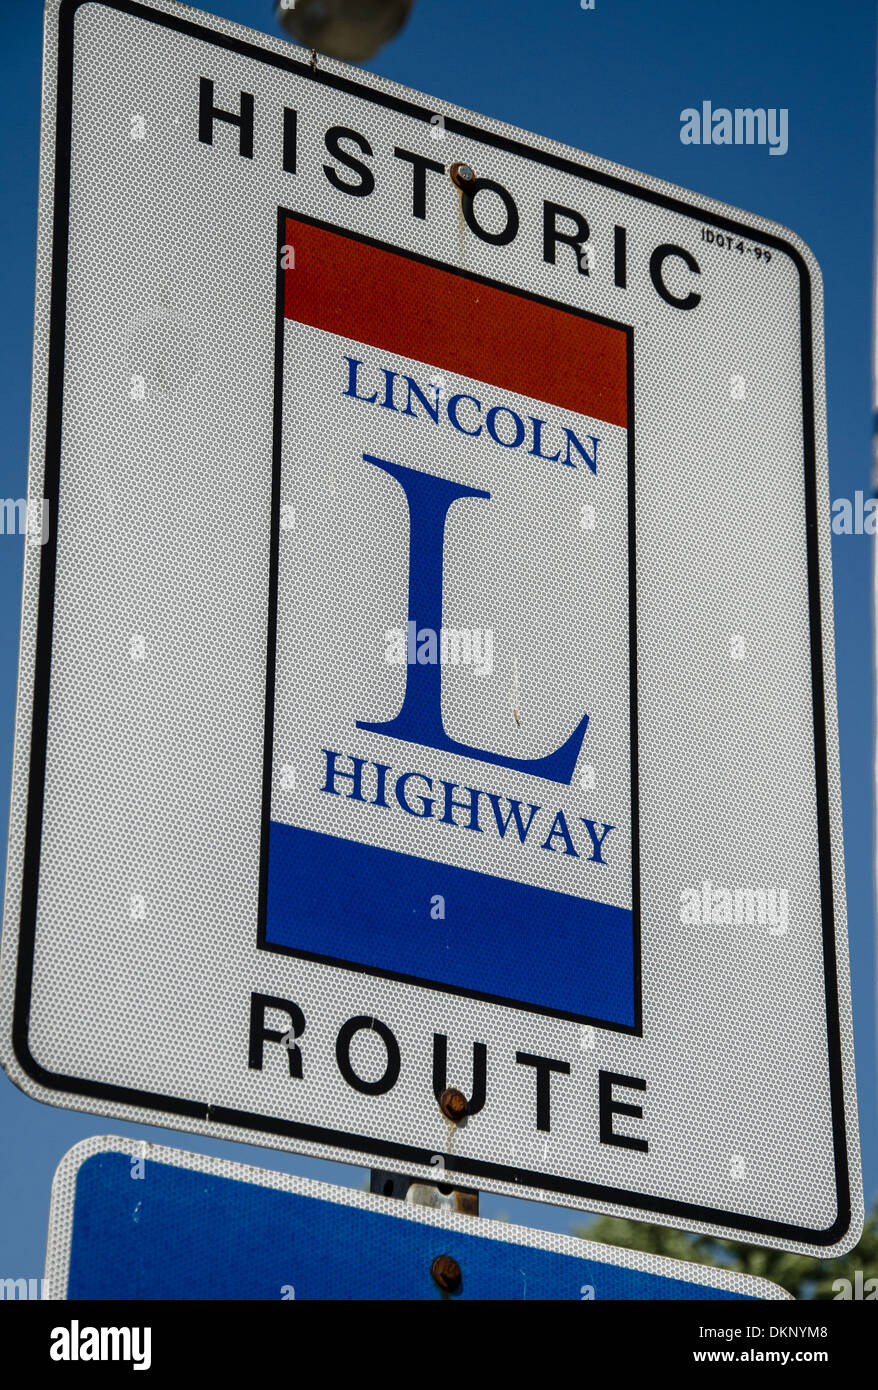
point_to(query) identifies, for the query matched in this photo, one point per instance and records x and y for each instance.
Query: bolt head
(452, 1103)
(446, 1274)
(462, 175)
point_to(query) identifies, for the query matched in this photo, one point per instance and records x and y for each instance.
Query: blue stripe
(354, 902)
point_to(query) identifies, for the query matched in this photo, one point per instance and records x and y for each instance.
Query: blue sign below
(136, 1221)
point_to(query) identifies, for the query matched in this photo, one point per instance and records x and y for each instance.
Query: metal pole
(444, 1196)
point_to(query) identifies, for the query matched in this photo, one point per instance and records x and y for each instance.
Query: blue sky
(612, 81)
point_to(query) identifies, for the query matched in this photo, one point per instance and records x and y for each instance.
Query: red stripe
(454, 324)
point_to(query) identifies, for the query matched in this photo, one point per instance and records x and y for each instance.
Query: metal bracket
(444, 1196)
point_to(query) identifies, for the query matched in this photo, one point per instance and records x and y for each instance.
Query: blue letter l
(420, 720)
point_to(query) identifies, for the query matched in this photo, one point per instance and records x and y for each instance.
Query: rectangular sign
(427, 679)
(460, 513)
(137, 1221)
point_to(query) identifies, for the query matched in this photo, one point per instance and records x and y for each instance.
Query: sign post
(427, 679)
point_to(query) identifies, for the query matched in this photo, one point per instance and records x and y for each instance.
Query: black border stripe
(33, 826)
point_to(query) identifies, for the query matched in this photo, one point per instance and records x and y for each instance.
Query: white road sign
(427, 678)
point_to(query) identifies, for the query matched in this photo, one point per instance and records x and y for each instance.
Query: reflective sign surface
(427, 677)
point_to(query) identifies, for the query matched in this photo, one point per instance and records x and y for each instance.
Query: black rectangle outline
(634, 1028)
(205, 1112)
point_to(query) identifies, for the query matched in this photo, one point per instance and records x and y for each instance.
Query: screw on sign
(453, 1104)
(461, 175)
(447, 1274)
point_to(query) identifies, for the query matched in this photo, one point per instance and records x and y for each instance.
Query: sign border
(512, 1179)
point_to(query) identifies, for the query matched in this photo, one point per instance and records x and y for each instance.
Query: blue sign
(156, 1223)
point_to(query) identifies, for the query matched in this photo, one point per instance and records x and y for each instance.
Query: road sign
(365, 745)
(131, 1220)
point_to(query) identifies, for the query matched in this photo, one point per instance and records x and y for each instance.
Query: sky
(611, 81)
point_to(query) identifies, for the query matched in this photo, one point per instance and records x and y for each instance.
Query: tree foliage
(800, 1275)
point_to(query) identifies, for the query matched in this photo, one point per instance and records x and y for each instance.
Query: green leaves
(800, 1275)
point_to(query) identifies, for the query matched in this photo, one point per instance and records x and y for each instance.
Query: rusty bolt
(446, 1273)
(452, 1103)
(462, 176)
